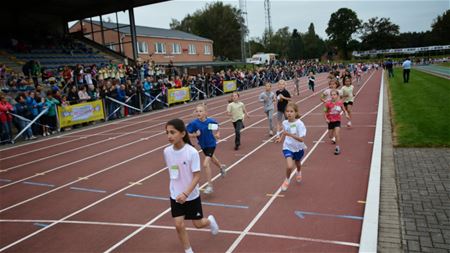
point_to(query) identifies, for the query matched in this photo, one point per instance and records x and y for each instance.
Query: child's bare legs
(204, 222)
(349, 110)
(331, 135)
(207, 165)
(299, 166)
(181, 231)
(290, 167)
(338, 138)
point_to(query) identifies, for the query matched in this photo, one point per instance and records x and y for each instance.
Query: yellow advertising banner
(178, 95)
(229, 86)
(80, 113)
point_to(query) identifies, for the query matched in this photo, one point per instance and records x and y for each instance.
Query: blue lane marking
(204, 203)
(87, 189)
(40, 224)
(302, 214)
(5, 180)
(39, 184)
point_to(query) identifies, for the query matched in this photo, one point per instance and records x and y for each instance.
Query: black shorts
(333, 125)
(209, 151)
(348, 103)
(191, 210)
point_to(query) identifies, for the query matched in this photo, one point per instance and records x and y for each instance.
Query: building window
(160, 48)
(176, 48)
(207, 49)
(142, 47)
(192, 49)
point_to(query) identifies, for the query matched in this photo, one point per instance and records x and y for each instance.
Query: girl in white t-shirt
(294, 132)
(183, 163)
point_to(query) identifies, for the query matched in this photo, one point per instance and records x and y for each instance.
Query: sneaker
(44, 134)
(333, 140)
(349, 124)
(271, 133)
(298, 177)
(337, 151)
(208, 189)
(236, 147)
(33, 137)
(223, 170)
(285, 185)
(213, 225)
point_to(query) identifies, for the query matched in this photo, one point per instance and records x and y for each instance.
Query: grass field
(420, 110)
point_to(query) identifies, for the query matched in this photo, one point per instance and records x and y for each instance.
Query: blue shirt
(406, 64)
(206, 138)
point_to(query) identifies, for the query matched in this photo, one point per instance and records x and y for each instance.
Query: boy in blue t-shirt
(203, 128)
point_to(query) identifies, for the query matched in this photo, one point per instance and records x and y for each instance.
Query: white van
(262, 58)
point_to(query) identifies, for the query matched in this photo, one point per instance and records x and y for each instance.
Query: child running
(183, 163)
(326, 95)
(268, 98)
(236, 109)
(283, 98)
(203, 128)
(311, 81)
(294, 132)
(333, 111)
(347, 97)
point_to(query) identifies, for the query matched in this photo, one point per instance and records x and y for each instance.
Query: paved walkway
(415, 197)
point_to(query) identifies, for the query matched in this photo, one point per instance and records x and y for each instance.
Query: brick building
(154, 44)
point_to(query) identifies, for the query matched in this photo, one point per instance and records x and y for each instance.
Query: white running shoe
(208, 190)
(285, 185)
(349, 124)
(333, 140)
(213, 225)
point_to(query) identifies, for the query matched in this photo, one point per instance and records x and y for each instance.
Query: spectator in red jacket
(5, 119)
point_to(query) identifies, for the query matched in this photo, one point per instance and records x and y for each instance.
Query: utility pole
(244, 21)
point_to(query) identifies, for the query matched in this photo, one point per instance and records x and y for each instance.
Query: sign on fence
(80, 113)
(178, 95)
(229, 86)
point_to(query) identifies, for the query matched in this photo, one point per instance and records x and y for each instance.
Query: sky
(411, 16)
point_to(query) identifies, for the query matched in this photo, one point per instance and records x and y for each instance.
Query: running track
(105, 188)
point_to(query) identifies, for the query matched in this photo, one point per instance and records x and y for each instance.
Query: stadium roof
(79, 9)
(152, 31)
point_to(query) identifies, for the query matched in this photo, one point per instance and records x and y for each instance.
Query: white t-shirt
(181, 165)
(298, 128)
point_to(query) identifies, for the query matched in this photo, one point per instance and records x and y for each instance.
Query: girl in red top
(5, 119)
(333, 109)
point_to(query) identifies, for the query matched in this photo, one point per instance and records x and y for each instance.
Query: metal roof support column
(133, 33)
(118, 33)
(102, 30)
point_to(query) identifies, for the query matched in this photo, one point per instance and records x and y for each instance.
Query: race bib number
(212, 126)
(174, 171)
(293, 129)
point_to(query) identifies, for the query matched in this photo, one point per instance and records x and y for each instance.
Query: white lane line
(269, 203)
(369, 231)
(222, 231)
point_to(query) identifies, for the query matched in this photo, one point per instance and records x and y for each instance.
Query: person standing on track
(268, 98)
(183, 163)
(236, 109)
(283, 98)
(333, 111)
(347, 97)
(294, 132)
(203, 128)
(311, 81)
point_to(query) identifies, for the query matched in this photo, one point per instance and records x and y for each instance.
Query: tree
(279, 42)
(296, 47)
(218, 22)
(255, 46)
(441, 29)
(341, 26)
(314, 45)
(379, 34)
